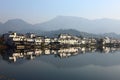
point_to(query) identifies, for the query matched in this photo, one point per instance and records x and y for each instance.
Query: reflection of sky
(89, 66)
(99, 59)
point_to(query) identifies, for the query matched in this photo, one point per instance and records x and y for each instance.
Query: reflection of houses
(27, 54)
(71, 49)
(24, 54)
(83, 49)
(38, 52)
(16, 55)
(47, 51)
(109, 49)
(66, 52)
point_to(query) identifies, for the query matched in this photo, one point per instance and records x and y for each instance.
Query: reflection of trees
(12, 55)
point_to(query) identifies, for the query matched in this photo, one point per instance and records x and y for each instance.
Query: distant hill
(81, 24)
(66, 24)
(73, 32)
(15, 25)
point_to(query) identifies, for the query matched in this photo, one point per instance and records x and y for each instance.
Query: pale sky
(36, 11)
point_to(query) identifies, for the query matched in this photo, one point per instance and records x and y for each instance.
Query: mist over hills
(66, 24)
(81, 24)
(15, 25)
(63, 22)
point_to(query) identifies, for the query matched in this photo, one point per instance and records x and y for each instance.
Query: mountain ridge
(82, 24)
(65, 23)
(104, 25)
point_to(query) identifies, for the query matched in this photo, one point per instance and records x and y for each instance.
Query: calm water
(64, 64)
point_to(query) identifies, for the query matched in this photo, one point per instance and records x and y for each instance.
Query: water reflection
(79, 63)
(14, 55)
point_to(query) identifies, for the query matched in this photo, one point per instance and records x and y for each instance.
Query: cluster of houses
(108, 40)
(14, 39)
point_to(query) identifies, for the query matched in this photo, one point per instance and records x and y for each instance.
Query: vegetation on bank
(2, 46)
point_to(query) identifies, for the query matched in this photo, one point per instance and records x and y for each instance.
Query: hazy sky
(35, 11)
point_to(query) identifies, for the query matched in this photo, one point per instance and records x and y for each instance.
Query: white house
(13, 37)
(30, 35)
(106, 40)
(68, 39)
(64, 36)
(38, 40)
(47, 40)
(30, 40)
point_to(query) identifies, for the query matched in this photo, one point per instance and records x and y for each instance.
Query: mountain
(81, 24)
(15, 25)
(65, 24)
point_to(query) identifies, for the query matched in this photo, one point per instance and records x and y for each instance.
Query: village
(30, 40)
(29, 45)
